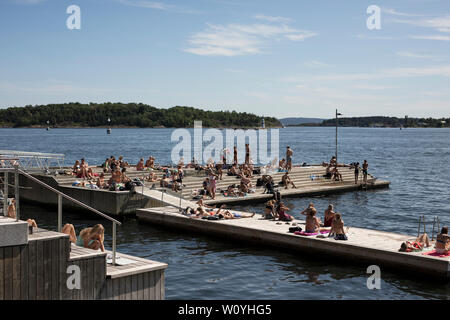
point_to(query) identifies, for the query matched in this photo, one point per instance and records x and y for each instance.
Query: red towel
(435, 254)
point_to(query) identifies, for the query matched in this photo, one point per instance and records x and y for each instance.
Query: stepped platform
(308, 180)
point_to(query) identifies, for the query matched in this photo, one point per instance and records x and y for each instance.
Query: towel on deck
(433, 253)
(303, 233)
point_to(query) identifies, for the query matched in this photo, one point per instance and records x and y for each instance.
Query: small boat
(108, 131)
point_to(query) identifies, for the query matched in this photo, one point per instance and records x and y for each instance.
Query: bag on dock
(294, 229)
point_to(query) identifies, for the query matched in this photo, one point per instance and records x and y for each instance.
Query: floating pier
(363, 245)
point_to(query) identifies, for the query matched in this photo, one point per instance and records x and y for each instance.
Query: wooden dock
(363, 246)
(38, 271)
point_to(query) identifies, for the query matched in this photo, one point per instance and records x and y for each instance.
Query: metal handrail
(60, 196)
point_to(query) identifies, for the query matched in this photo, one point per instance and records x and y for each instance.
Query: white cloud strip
(145, 4)
(238, 39)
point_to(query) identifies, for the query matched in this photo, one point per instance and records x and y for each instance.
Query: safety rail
(60, 194)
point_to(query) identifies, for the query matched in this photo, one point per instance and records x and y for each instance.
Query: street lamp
(337, 114)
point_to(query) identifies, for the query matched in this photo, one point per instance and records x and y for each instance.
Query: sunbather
(417, 245)
(231, 215)
(443, 241)
(91, 238)
(337, 228)
(281, 212)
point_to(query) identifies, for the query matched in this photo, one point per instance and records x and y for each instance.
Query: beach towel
(433, 253)
(303, 233)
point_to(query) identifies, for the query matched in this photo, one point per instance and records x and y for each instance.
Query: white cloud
(145, 4)
(316, 64)
(442, 70)
(432, 37)
(238, 39)
(409, 54)
(27, 1)
(363, 36)
(441, 24)
(272, 19)
(396, 13)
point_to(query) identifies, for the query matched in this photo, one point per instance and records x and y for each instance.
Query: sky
(286, 58)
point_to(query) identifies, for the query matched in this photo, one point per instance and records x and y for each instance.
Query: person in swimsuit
(329, 216)
(91, 238)
(356, 172)
(247, 153)
(416, 245)
(212, 185)
(365, 166)
(140, 165)
(337, 228)
(231, 215)
(235, 155)
(443, 241)
(269, 210)
(312, 224)
(281, 212)
(286, 180)
(289, 154)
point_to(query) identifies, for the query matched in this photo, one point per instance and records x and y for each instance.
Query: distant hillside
(378, 121)
(76, 114)
(297, 121)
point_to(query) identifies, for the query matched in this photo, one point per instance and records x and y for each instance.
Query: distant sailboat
(108, 131)
(48, 128)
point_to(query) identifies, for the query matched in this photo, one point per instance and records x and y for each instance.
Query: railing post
(114, 244)
(5, 194)
(59, 213)
(16, 192)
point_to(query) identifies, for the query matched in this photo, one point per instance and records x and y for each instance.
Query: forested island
(126, 115)
(383, 122)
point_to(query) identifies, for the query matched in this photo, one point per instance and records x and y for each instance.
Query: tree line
(378, 121)
(75, 114)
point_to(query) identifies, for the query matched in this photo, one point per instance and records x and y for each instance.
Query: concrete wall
(115, 203)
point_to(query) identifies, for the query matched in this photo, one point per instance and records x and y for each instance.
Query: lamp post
(337, 114)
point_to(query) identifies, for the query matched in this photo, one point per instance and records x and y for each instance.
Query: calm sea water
(414, 160)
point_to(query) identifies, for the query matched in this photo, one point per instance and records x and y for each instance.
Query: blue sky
(275, 58)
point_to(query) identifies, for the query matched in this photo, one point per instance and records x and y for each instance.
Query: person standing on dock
(289, 154)
(247, 153)
(235, 158)
(365, 166)
(356, 172)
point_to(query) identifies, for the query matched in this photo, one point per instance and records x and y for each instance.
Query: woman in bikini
(281, 211)
(312, 224)
(329, 216)
(443, 241)
(91, 238)
(337, 228)
(417, 245)
(231, 215)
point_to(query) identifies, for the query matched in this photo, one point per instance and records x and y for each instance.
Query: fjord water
(416, 161)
